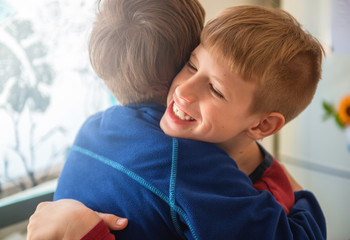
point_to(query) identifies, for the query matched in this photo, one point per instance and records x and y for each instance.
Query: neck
(248, 158)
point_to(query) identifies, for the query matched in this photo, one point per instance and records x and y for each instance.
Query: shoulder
(202, 151)
(204, 165)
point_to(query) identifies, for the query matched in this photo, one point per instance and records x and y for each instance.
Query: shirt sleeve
(275, 181)
(306, 217)
(218, 201)
(99, 232)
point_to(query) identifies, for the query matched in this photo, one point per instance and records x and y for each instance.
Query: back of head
(268, 46)
(137, 46)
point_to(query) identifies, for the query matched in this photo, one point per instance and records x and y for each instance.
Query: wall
(214, 7)
(315, 150)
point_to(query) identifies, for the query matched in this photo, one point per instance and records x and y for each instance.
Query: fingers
(34, 215)
(113, 222)
(32, 228)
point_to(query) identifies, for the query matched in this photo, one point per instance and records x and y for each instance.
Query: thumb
(113, 222)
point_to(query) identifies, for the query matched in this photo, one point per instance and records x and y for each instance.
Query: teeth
(180, 114)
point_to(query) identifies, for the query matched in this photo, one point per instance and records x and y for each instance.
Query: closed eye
(215, 91)
(191, 66)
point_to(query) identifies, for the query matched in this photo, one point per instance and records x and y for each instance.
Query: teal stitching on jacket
(172, 188)
(138, 179)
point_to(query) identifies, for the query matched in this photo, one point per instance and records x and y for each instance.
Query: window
(47, 87)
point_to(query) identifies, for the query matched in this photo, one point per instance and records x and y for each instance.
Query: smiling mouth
(180, 114)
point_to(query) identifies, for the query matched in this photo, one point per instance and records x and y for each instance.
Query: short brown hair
(138, 46)
(270, 47)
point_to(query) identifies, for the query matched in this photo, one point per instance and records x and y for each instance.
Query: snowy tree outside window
(47, 87)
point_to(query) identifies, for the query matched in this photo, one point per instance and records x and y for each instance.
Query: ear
(268, 125)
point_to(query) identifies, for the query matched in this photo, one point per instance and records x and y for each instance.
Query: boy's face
(209, 102)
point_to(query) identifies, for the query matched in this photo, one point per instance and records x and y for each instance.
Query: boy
(254, 71)
(174, 203)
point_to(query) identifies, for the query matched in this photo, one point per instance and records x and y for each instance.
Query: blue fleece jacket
(170, 188)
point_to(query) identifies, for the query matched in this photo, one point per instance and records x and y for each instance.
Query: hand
(67, 219)
(295, 185)
(113, 222)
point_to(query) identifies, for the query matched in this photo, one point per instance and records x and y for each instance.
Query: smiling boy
(254, 71)
(209, 102)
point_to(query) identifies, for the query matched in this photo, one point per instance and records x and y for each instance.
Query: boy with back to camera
(214, 186)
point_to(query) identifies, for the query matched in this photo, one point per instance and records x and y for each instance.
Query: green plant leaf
(326, 116)
(339, 122)
(328, 108)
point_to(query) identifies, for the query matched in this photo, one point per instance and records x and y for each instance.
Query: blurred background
(48, 89)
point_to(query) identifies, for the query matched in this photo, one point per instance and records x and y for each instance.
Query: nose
(186, 91)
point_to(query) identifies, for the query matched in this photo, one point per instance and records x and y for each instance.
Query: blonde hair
(138, 46)
(270, 47)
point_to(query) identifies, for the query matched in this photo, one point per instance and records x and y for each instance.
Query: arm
(223, 204)
(246, 217)
(280, 184)
(213, 199)
(70, 219)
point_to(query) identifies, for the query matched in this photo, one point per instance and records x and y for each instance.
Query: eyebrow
(221, 83)
(217, 78)
(194, 55)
